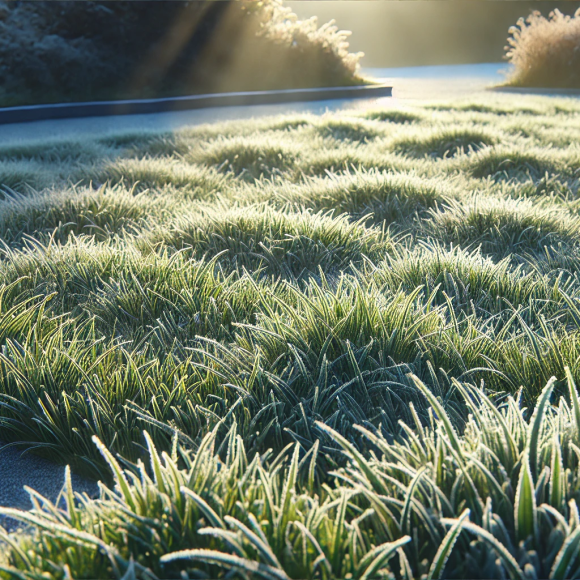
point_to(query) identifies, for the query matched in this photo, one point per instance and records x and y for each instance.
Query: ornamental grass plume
(545, 52)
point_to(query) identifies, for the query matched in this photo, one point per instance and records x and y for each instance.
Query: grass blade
(444, 551)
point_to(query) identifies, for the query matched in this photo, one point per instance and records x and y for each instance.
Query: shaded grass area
(397, 284)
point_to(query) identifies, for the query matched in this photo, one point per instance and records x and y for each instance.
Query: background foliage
(545, 51)
(71, 51)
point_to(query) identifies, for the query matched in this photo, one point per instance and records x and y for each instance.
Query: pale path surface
(429, 83)
(410, 85)
(101, 126)
(47, 478)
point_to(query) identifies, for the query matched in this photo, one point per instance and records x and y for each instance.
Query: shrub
(545, 51)
(311, 55)
(67, 51)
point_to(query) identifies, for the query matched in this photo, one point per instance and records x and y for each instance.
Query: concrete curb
(145, 106)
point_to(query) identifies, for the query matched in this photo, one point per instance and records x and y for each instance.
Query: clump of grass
(544, 51)
(55, 151)
(503, 227)
(470, 280)
(380, 195)
(494, 498)
(146, 143)
(248, 157)
(347, 157)
(498, 108)
(193, 181)
(504, 163)
(20, 175)
(395, 115)
(445, 142)
(348, 130)
(281, 241)
(58, 214)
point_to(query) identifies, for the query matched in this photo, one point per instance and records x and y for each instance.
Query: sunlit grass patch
(496, 105)
(559, 138)
(382, 196)
(58, 214)
(281, 241)
(469, 279)
(248, 157)
(21, 175)
(396, 115)
(503, 226)
(504, 162)
(555, 188)
(55, 151)
(445, 142)
(353, 129)
(152, 144)
(246, 127)
(193, 181)
(347, 157)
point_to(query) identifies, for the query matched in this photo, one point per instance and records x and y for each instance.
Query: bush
(72, 51)
(545, 51)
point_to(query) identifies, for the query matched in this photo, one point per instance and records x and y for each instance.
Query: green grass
(338, 327)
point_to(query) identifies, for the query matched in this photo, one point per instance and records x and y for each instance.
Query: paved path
(409, 84)
(18, 469)
(429, 83)
(101, 126)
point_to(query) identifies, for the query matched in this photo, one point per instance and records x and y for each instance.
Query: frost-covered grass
(337, 327)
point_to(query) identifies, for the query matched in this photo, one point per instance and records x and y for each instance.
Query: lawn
(301, 347)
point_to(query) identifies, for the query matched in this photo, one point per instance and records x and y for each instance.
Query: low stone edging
(27, 113)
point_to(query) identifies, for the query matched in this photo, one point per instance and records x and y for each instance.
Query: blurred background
(426, 32)
(63, 51)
